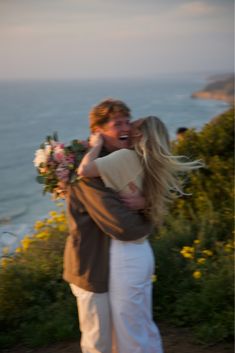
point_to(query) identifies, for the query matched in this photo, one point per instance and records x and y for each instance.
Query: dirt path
(175, 340)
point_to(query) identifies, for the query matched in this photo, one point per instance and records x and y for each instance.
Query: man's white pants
(130, 291)
(94, 320)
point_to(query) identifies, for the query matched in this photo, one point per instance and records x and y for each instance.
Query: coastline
(213, 96)
(220, 87)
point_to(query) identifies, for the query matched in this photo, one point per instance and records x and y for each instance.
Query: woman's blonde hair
(161, 168)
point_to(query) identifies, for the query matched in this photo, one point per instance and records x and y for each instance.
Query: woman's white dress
(131, 267)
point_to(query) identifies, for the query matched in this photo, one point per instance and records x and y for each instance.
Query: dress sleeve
(119, 168)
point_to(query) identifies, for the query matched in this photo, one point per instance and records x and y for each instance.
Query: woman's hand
(87, 167)
(96, 140)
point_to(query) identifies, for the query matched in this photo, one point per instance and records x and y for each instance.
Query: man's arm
(109, 213)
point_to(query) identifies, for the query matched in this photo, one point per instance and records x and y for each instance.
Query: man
(180, 132)
(95, 214)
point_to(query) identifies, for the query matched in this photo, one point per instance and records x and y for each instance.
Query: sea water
(31, 110)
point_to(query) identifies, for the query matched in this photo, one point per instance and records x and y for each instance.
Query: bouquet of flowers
(56, 164)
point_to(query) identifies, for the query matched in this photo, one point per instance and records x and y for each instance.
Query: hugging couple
(127, 177)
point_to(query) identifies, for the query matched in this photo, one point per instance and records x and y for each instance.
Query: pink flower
(62, 173)
(59, 153)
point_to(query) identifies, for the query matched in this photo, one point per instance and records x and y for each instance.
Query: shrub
(36, 304)
(194, 249)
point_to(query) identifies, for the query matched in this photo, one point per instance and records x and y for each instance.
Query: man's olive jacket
(95, 215)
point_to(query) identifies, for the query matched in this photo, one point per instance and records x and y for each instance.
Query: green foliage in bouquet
(195, 248)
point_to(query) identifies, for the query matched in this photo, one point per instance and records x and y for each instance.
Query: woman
(152, 168)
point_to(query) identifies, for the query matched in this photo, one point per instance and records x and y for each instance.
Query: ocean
(30, 110)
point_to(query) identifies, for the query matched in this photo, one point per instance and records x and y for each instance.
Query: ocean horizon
(32, 109)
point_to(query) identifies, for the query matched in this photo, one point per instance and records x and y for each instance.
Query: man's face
(116, 132)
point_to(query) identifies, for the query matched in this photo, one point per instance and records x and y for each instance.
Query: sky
(64, 39)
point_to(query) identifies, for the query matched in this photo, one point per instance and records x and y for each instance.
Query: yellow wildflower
(62, 228)
(197, 274)
(197, 241)
(187, 252)
(18, 250)
(38, 225)
(154, 278)
(43, 235)
(4, 262)
(207, 252)
(26, 242)
(187, 255)
(53, 213)
(60, 219)
(201, 261)
(228, 247)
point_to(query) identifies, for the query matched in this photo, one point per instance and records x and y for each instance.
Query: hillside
(220, 87)
(193, 292)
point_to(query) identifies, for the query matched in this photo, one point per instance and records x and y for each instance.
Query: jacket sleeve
(109, 213)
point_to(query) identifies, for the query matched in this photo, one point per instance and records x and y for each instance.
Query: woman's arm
(134, 199)
(87, 167)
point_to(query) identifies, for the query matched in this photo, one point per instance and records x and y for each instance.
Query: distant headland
(220, 87)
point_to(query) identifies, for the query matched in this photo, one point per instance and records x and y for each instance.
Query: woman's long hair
(161, 168)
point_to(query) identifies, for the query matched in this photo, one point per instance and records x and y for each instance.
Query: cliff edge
(220, 87)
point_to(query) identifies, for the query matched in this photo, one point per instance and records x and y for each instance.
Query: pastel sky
(114, 38)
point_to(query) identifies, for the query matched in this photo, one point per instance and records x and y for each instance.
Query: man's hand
(133, 200)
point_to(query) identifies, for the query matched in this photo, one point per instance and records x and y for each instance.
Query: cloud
(99, 37)
(196, 8)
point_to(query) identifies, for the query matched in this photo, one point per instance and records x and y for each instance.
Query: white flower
(58, 149)
(40, 157)
(47, 149)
